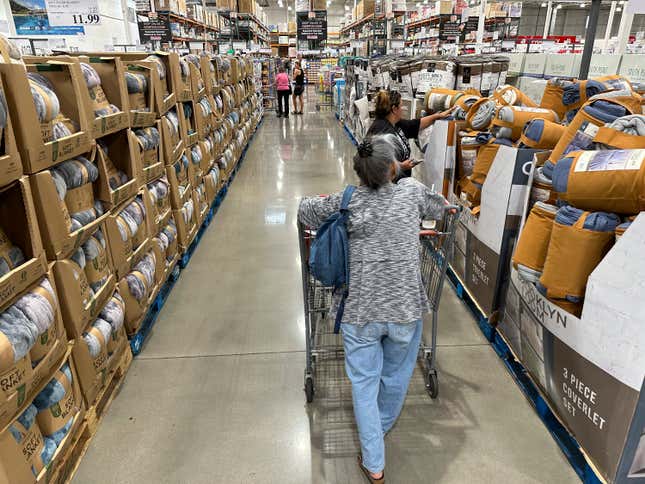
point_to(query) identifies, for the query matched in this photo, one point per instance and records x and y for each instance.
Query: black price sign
(312, 25)
(155, 28)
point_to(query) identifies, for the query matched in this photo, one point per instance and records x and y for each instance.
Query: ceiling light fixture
(583, 5)
(543, 5)
(619, 9)
(558, 7)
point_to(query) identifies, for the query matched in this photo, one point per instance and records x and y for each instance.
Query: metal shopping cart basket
(320, 340)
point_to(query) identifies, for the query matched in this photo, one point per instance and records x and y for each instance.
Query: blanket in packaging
(510, 120)
(541, 134)
(532, 246)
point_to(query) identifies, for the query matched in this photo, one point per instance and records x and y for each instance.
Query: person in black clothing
(388, 121)
(299, 88)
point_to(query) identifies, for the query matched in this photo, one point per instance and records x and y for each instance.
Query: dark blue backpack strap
(339, 313)
(347, 197)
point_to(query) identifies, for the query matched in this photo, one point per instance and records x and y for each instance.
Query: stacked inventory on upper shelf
(268, 82)
(110, 164)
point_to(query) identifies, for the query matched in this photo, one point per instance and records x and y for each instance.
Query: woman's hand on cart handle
(453, 209)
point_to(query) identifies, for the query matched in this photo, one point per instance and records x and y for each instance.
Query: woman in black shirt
(299, 79)
(388, 121)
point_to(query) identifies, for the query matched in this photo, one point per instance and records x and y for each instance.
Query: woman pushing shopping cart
(395, 276)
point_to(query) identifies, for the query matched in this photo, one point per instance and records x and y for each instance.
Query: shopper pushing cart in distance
(388, 121)
(382, 321)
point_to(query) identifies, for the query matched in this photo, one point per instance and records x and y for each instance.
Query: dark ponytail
(385, 101)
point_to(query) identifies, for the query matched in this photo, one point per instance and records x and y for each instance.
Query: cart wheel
(309, 389)
(432, 384)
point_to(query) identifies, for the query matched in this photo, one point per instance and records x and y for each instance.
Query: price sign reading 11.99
(73, 12)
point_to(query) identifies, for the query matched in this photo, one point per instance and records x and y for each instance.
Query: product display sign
(312, 28)
(73, 12)
(154, 28)
(450, 27)
(31, 18)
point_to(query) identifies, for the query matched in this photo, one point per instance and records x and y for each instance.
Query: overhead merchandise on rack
(283, 44)
(98, 207)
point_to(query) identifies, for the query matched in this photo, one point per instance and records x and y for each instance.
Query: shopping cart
(325, 90)
(320, 340)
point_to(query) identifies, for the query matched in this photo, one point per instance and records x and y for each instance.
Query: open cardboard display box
(124, 252)
(22, 381)
(591, 368)
(112, 90)
(197, 84)
(150, 163)
(205, 123)
(207, 158)
(161, 212)
(188, 123)
(202, 202)
(182, 84)
(172, 252)
(54, 219)
(210, 73)
(212, 187)
(18, 461)
(10, 164)
(172, 143)
(135, 311)
(142, 105)
(20, 226)
(92, 372)
(186, 231)
(37, 150)
(121, 155)
(79, 305)
(179, 177)
(483, 239)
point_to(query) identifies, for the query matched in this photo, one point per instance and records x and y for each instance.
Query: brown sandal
(381, 480)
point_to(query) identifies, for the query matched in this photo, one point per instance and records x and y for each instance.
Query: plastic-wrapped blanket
(172, 122)
(137, 85)
(485, 158)
(73, 179)
(533, 243)
(51, 410)
(596, 112)
(579, 241)
(576, 93)
(187, 211)
(512, 96)
(10, 255)
(166, 237)
(142, 277)
(161, 70)
(159, 190)
(97, 268)
(24, 321)
(481, 114)
(541, 134)
(130, 219)
(607, 180)
(102, 106)
(470, 144)
(48, 107)
(510, 120)
(149, 138)
(97, 337)
(627, 132)
(43, 454)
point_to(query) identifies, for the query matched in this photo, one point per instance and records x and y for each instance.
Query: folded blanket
(114, 312)
(44, 97)
(541, 134)
(510, 120)
(96, 267)
(187, 211)
(579, 241)
(159, 64)
(166, 237)
(482, 113)
(172, 121)
(196, 154)
(55, 390)
(130, 218)
(605, 111)
(184, 69)
(97, 337)
(102, 106)
(159, 190)
(633, 124)
(43, 454)
(213, 174)
(142, 277)
(533, 243)
(606, 180)
(11, 256)
(205, 106)
(37, 306)
(579, 91)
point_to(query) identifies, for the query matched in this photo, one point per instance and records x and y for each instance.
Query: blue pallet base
(567, 443)
(351, 136)
(139, 338)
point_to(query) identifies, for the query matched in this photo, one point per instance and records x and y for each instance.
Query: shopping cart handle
(429, 233)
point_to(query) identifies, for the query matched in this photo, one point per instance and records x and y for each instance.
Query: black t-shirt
(404, 129)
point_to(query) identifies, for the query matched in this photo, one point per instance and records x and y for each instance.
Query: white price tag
(73, 12)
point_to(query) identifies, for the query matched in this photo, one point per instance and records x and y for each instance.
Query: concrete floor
(216, 394)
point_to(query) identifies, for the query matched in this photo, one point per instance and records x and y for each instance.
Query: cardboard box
(93, 373)
(150, 164)
(534, 65)
(142, 105)
(179, 175)
(121, 155)
(172, 142)
(19, 224)
(123, 252)
(197, 85)
(201, 202)
(22, 382)
(207, 158)
(182, 82)
(210, 74)
(19, 460)
(516, 63)
(135, 310)
(79, 305)
(161, 209)
(188, 123)
(186, 229)
(35, 152)
(246, 6)
(596, 391)
(10, 164)
(204, 122)
(562, 65)
(53, 218)
(632, 66)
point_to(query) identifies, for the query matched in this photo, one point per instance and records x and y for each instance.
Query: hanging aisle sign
(73, 12)
(312, 25)
(154, 28)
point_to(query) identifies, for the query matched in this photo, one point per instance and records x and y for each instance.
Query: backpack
(329, 253)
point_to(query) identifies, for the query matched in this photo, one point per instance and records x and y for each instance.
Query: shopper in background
(299, 88)
(388, 121)
(383, 317)
(283, 86)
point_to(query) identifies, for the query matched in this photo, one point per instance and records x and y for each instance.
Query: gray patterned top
(385, 279)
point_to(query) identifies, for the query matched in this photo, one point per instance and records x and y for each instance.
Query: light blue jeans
(379, 360)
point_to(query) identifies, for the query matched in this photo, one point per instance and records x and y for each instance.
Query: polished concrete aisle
(216, 394)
